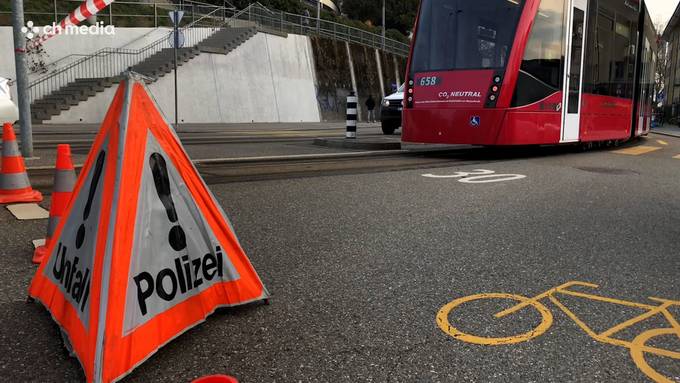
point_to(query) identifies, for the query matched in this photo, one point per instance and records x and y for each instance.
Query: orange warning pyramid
(144, 251)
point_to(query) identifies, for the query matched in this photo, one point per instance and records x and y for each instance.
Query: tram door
(575, 36)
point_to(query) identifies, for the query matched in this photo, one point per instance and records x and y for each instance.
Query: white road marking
(492, 178)
(476, 172)
(478, 176)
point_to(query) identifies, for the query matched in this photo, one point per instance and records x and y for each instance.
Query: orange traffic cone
(14, 184)
(64, 181)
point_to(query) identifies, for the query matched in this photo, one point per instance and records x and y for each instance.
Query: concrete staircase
(158, 65)
(227, 39)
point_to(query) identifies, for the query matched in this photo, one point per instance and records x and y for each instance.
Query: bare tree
(662, 56)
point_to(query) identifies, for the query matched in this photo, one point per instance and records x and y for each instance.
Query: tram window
(487, 43)
(464, 34)
(624, 66)
(611, 41)
(599, 67)
(542, 69)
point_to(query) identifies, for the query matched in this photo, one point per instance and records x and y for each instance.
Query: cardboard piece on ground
(28, 211)
(38, 242)
(144, 251)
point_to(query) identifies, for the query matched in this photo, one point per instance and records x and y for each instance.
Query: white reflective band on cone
(11, 149)
(64, 181)
(14, 181)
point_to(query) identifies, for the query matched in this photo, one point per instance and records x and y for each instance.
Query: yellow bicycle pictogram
(638, 347)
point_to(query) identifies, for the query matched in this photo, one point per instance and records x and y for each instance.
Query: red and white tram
(526, 72)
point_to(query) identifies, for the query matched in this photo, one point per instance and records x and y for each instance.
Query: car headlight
(386, 103)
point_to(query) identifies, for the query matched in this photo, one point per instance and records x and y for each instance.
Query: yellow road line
(672, 321)
(608, 300)
(446, 327)
(631, 322)
(637, 150)
(544, 295)
(662, 142)
(573, 317)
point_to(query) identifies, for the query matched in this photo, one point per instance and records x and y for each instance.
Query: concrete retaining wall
(334, 66)
(267, 79)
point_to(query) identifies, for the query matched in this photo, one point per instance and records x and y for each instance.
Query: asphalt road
(360, 263)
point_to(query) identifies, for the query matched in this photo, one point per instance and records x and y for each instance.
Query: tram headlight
(386, 103)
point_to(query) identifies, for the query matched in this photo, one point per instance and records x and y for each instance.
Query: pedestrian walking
(305, 21)
(370, 106)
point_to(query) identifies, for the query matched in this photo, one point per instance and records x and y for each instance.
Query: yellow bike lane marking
(637, 347)
(637, 150)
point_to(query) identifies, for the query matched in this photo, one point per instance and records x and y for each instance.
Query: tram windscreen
(465, 34)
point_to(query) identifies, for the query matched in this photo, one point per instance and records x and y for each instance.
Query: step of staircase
(223, 41)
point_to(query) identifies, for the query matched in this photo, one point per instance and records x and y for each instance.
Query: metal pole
(22, 79)
(383, 24)
(318, 16)
(56, 15)
(176, 38)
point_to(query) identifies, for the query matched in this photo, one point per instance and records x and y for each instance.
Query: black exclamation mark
(161, 179)
(98, 168)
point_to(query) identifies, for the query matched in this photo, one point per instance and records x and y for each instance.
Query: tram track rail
(245, 169)
(227, 170)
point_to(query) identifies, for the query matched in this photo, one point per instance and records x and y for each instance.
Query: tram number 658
(429, 81)
(479, 176)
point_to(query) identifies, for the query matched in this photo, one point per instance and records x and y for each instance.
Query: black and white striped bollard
(352, 102)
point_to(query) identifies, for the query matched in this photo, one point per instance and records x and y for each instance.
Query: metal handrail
(111, 62)
(299, 24)
(68, 59)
